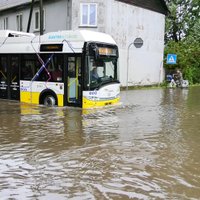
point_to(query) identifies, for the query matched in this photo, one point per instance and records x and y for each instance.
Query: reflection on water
(146, 148)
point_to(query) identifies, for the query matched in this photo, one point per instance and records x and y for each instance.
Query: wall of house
(145, 66)
(12, 23)
(126, 23)
(57, 16)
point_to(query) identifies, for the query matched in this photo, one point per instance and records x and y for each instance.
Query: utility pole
(41, 17)
(30, 16)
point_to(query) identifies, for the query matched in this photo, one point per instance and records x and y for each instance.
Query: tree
(181, 19)
(194, 33)
(182, 37)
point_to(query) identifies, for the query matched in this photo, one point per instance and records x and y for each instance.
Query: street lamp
(138, 43)
(129, 46)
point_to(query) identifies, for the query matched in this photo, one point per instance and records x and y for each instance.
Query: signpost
(138, 43)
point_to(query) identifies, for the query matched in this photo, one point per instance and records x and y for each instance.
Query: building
(128, 21)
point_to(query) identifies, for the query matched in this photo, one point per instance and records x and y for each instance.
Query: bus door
(14, 78)
(73, 82)
(9, 77)
(3, 77)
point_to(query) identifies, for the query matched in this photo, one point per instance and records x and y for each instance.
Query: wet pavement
(146, 148)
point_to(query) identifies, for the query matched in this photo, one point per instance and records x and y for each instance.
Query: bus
(57, 68)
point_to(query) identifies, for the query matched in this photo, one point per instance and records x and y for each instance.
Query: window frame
(38, 22)
(19, 22)
(88, 24)
(5, 23)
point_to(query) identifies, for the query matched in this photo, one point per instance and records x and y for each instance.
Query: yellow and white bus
(57, 68)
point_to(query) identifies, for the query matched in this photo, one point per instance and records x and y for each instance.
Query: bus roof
(78, 35)
(73, 41)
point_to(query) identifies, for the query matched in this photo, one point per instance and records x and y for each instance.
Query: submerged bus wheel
(49, 101)
(48, 98)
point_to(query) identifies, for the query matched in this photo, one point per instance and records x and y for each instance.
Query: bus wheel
(49, 100)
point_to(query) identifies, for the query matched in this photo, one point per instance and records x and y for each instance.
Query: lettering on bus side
(54, 37)
(24, 88)
(93, 93)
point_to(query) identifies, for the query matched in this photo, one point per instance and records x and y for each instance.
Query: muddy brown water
(146, 148)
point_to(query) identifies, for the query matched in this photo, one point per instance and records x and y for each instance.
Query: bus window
(14, 70)
(53, 70)
(105, 71)
(56, 74)
(57, 68)
(3, 69)
(26, 73)
(14, 78)
(71, 67)
(28, 67)
(3, 77)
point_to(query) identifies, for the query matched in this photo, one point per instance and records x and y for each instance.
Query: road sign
(138, 42)
(171, 59)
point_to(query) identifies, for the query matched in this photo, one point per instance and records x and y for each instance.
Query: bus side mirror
(96, 51)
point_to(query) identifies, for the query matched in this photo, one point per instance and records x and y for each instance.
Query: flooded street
(146, 148)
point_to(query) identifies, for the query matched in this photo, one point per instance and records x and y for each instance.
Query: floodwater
(146, 148)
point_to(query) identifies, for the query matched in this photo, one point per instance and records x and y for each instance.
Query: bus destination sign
(51, 47)
(107, 51)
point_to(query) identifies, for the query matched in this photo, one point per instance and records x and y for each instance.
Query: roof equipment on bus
(10, 33)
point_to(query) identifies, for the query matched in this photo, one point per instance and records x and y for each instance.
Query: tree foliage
(181, 19)
(183, 37)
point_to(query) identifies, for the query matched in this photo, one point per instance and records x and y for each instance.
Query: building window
(5, 23)
(19, 22)
(37, 20)
(88, 14)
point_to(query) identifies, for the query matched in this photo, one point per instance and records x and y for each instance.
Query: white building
(125, 20)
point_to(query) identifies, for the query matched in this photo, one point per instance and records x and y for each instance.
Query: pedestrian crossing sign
(171, 58)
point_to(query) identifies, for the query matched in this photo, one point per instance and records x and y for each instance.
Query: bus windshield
(101, 71)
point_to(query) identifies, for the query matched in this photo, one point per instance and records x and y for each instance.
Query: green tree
(183, 37)
(194, 33)
(181, 19)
